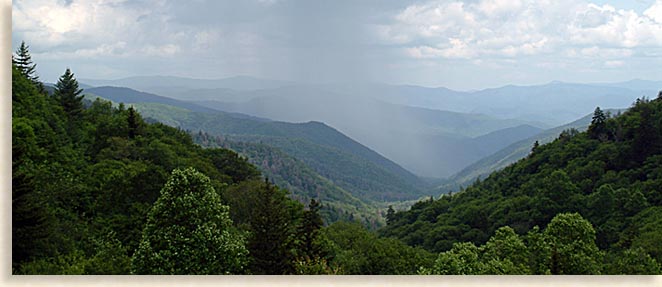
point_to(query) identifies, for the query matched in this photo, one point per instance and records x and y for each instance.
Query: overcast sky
(456, 44)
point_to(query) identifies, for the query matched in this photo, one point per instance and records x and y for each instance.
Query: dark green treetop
(68, 94)
(23, 62)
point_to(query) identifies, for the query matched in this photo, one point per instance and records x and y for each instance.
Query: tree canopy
(189, 231)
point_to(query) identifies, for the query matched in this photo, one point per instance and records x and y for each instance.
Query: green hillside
(351, 166)
(509, 155)
(610, 175)
(84, 180)
(303, 183)
(98, 190)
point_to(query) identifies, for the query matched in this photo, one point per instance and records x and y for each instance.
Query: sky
(462, 45)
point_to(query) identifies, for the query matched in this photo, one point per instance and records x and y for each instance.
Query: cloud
(515, 28)
(614, 64)
(655, 11)
(76, 26)
(429, 42)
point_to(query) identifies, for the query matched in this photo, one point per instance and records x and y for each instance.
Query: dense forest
(587, 203)
(96, 189)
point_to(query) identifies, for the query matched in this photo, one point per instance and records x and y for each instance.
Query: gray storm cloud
(459, 44)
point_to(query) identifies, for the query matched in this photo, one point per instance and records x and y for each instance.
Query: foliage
(68, 93)
(93, 193)
(189, 231)
(355, 250)
(572, 242)
(611, 175)
(264, 211)
(78, 179)
(348, 164)
(300, 180)
(22, 60)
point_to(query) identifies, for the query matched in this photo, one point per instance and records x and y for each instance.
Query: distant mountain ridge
(513, 153)
(429, 131)
(145, 83)
(312, 137)
(428, 142)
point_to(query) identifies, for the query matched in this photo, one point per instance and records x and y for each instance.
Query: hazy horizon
(294, 82)
(461, 45)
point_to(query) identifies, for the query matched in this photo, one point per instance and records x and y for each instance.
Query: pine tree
(535, 147)
(133, 120)
(271, 244)
(31, 221)
(390, 214)
(23, 61)
(309, 231)
(597, 129)
(68, 94)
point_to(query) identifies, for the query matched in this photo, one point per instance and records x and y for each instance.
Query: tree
(309, 232)
(270, 243)
(572, 243)
(390, 214)
(462, 259)
(597, 129)
(358, 251)
(558, 187)
(68, 94)
(134, 122)
(31, 221)
(23, 61)
(535, 147)
(505, 253)
(189, 231)
(634, 261)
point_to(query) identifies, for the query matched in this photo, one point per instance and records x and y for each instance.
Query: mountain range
(432, 132)
(512, 153)
(327, 163)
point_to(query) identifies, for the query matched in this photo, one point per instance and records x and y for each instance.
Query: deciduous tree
(189, 231)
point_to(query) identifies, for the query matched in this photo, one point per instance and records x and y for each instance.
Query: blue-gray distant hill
(430, 143)
(432, 132)
(512, 153)
(171, 84)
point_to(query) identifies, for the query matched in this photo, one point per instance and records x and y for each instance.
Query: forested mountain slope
(512, 153)
(351, 166)
(97, 190)
(84, 179)
(367, 173)
(611, 175)
(302, 181)
(431, 143)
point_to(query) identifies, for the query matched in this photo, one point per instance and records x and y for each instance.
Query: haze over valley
(432, 132)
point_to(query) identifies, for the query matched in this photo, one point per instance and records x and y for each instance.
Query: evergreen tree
(535, 147)
(133, 120)
(31, 222)
(68, 94)
(270, 244)
(309, 231)
(23, 61)
(189, 231)
(390, 214)
(597, 129)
